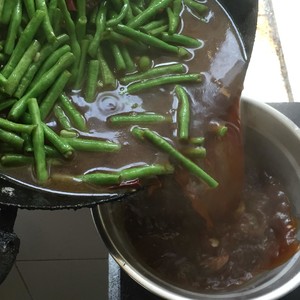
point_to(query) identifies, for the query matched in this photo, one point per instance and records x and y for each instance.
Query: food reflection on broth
(119, 96)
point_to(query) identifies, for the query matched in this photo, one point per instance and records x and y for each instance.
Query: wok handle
(9, 242)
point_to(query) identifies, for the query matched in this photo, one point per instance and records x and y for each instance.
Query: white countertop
(273, 73)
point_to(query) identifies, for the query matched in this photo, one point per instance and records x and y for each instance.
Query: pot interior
(271, 142)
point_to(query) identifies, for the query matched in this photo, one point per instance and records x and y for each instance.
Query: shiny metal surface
(275, 141)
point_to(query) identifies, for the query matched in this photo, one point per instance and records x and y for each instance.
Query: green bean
(180, 39)
(110, 34)
(100, 27)
(145, 172)
(62, 118)
(48, 29)
(150, 40)
(49, 63)
(150, 83)
(81, 7)
(11, 139)
(15, 127)
(144, 63)
(222, 130)
(52, 11)
(162, 144)
(106, 74)
(3, 81)
(130, 65)
(198, 7)
(13, 29)
(15, 77)
(70, 27)
(57, 20)
(2, 2)
(59, 144)
(82, 19)
(92, 145)
(197, 140)
(46, 81)
(51, 152)
(174, 23)
(38, 142)
(24, 41)
(154, 72)
(99, 178)
(80, 74)
(6, 104)
(68, 133)
(92, 79)
(197, 152)
(183, 117)
(153, 24)
(120, 17)
(30, 8)
(16, 160)
(7, 11)
(135, 9)
(81, 28)
(153, 9)
(137, 118)
(34, 67)
(74, 115)
(158, 31)
(118, 58)
(53, 94)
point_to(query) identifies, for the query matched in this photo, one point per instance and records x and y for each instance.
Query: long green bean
(180, 39)
(105, 179)
(154, 72)
(92, 79)
(16, 160)
(81, 67)
(100, 27)
(35, 66)
(24, 41)
(46, 81)
(13, 28)
(53, 94)
(74, 115)
(153, 9)
(83, 144)
(183, 118)
(47, 26)
(38, 142)
(11, 139)
(59, 144)
(30, 7)
(15, 77)
(63, 120)
(137, 118)
(150, 83)
(162, 144)
(15, 127)
(150, 40)
(145, 172)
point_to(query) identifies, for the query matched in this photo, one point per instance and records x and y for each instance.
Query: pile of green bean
(48, 48)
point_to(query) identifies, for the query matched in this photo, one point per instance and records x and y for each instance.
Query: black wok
(15, 194)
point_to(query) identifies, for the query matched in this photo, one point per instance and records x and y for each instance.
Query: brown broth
(165, 235)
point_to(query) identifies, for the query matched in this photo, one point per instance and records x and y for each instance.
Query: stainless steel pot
(276, 142)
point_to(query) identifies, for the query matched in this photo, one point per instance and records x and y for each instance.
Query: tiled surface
(62, 256)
